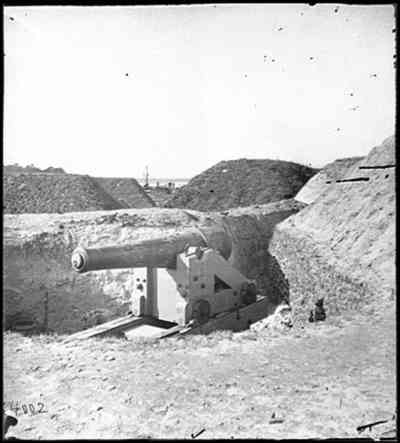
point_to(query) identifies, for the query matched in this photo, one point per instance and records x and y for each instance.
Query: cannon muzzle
(156, 252)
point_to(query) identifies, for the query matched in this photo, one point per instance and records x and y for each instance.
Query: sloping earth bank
(127, 191)
(342, 246)
(329, 173)
(322, 381)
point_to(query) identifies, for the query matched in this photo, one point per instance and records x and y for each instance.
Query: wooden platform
(235, 320)
(118, 326)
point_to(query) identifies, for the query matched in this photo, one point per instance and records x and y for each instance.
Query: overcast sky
(108, 90)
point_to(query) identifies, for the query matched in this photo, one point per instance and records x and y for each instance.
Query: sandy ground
(322, 380)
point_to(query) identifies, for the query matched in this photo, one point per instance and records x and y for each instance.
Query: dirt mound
(50, 193)
(127, 191)
(342, 246)
(17, 169)
(51, 170)
(243, 182)
(317, 185)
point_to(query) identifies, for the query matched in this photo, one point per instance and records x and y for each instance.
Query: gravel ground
(243, 182)
(54, 193)
(322, 381)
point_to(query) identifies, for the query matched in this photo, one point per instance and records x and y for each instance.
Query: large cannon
(159, 252)
(213, 294)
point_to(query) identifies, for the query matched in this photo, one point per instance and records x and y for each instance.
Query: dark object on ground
(275, 419)
(370, 425)
(9, 419)
(319, 312)
(196, 435)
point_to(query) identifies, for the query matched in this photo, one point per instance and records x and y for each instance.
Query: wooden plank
(171, 331)
(151, 305)
(237, 320)
(118, 326)
(111, 326)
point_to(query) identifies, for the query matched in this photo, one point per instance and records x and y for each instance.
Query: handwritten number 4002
(28, 409)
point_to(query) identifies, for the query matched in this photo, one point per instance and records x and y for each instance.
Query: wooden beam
(118, 326)
(108, 328)
(377, 167)
(356, 179)
(151, 306)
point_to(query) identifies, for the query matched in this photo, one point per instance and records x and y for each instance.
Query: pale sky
(201, 87)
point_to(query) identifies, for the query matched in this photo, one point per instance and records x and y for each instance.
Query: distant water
(164, 181)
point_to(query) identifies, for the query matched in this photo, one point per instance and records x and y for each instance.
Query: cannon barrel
(156, 252)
